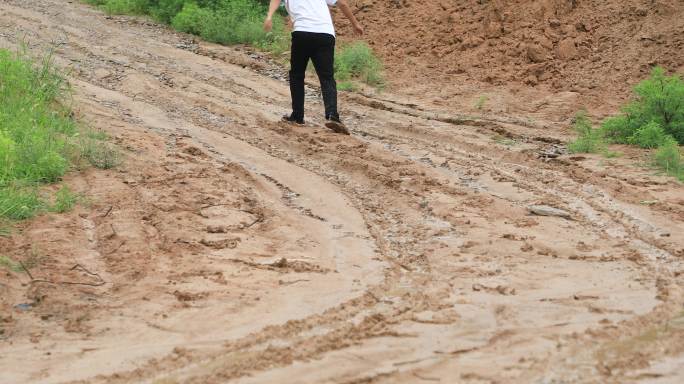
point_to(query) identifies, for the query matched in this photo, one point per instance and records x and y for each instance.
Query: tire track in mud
(427, 224)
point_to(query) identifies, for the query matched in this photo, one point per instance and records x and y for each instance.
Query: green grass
(356, 61)
(668, 157)
(10, 264)
(65, 200)
(219, 21)
(39, 139)
(590, 140)
(653, 120)
(347, 86)
(658, 102)
(481, 101)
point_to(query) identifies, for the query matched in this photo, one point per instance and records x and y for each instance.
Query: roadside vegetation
(241, 22)
(653, 120)
(39, 139)
(357, 62)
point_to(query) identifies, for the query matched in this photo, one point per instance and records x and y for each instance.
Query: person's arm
(272, 8)
(344, 7)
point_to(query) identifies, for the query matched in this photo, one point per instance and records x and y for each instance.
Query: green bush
(617, 129)
(590, 140)
(357, 61)
(650, 135)
(191, 19)
(165, 10)
(659, 99)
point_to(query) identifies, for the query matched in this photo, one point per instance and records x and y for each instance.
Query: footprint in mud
(284, 265)
(188, 296)
(230, 243)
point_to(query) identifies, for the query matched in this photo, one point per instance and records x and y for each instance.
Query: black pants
(320, 48)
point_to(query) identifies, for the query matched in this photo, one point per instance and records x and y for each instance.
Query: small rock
(536, 53)
(567, 49)
(545, 210)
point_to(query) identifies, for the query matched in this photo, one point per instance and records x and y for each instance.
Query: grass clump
(10, 264)
(65, 200)
(481, 101)
(590, 140)
(39, 139)
(650, 135)
(356, 61)
(668, 157)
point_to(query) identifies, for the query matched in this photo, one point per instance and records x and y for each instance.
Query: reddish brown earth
(597, 49)
(229, 247)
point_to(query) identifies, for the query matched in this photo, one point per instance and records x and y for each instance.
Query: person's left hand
(358, 30)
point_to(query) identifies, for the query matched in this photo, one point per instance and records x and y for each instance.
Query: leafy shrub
(590, 140)
(165, 10)
(659, 99)
(650, 135)
(191, 19)
(617, 129)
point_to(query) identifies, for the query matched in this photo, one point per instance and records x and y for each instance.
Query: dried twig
(26, 270)
(109, 210)
(77, 266)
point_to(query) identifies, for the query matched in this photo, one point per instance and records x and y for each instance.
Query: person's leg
(299, 58)
(323, 58)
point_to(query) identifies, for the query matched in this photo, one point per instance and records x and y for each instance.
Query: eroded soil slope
(596, 48)
(234, 248)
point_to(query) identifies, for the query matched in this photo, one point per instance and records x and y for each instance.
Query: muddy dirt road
(238, 249)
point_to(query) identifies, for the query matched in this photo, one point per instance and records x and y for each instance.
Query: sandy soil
(235, 248)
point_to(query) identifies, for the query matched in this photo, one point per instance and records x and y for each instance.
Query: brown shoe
(337, 126)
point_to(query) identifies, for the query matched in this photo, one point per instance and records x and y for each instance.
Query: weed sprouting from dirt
(481, 101)
(39, 139)
(10, 264)
(669, 158)
(590, 140)
(346, 86)
(65, 200)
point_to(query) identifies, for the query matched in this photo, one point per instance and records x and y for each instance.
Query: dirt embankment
(594, 47)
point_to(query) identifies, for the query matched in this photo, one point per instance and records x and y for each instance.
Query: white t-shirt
(311, 15)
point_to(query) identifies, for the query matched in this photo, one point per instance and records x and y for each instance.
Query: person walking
(313, 37)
